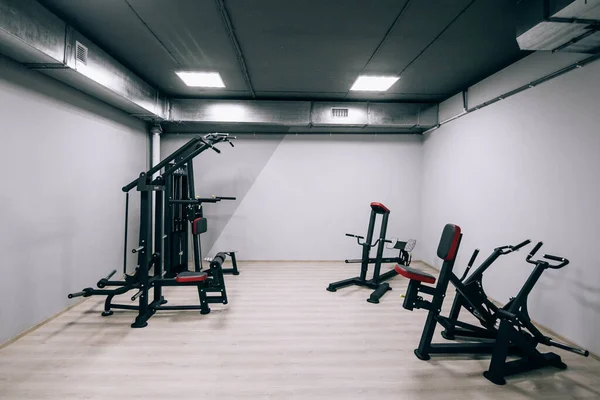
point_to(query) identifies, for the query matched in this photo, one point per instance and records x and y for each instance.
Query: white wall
(526, 167)
(299, 194)
(64, 158)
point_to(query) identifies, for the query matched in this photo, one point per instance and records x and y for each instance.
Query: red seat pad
(379, 208)
(189, 276)
(415, 274)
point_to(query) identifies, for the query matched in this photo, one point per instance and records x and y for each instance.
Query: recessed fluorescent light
(371, 83)
(202, 79)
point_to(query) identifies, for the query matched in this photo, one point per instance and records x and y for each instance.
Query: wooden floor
(282, 336)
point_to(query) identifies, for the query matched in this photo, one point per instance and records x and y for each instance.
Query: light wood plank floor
(282, 336)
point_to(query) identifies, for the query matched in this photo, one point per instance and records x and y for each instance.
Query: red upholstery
(449, 242)
(414, 274)
(455, 240)
(379, 208)
(189, 276)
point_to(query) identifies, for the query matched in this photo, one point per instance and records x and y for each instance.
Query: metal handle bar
(470, 264)
(210, 145)
(102, 282)
(135, 296)
(76, 294)
(581, 352)
(534, 250)
(510, 248)
(561, 261)
(357, 238)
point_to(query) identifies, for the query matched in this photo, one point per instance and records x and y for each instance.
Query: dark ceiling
(304, 49)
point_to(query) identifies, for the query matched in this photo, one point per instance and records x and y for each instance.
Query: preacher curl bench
(378, 281)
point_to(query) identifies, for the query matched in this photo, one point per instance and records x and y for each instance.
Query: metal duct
(32, 35)
(403, 115)
(559, 25)
(280, 113)
(247, 116)
(335, 114)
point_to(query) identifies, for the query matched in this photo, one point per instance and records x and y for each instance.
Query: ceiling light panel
(201, 79)
(372, 83)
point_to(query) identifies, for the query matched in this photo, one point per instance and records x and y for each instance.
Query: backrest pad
(449, 241)
(199, 225)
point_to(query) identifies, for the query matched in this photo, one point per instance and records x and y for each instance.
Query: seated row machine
(149, 276)
(503, 331)
(377, 282)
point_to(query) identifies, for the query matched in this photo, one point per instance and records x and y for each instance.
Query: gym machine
(150, 255)
(516, 329)
(504, 331)
(378, 281)
(184, 213)
(471, 296)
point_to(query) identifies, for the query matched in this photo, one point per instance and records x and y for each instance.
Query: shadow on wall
(587, 297)
(312, 189)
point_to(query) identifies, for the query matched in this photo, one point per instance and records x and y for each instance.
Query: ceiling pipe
(155, 132)
(520, 89)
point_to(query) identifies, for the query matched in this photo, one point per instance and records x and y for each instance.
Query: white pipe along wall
(526, 167)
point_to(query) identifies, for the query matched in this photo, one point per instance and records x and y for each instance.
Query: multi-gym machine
(210, 284)
(378, 281)
(503, 331)
(184, 219)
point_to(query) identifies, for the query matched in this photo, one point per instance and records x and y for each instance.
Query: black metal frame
(181, 209)
(150, 255)
(378, 281)
(471, 296)
(504, 331)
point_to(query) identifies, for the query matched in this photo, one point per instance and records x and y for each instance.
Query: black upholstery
(449, 242)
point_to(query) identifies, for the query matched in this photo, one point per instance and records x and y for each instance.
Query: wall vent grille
(339, 112)
(81, 54)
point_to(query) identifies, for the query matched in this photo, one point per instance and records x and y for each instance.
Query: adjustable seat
(190, 276)
(414, 274)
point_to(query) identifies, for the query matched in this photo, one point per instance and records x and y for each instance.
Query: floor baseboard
(44, 322)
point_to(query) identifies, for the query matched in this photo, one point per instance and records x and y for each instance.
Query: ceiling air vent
(81, 54)
(339, 112)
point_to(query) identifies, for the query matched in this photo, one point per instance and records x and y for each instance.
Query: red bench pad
(415, 274)
(379, 208)
(190, 276)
